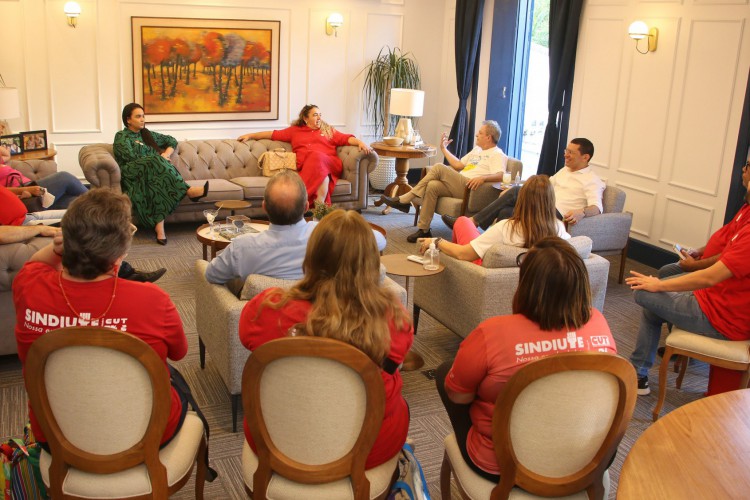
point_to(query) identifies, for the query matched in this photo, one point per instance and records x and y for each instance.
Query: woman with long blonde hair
(314, 141)
(533, 219)
(341, 297)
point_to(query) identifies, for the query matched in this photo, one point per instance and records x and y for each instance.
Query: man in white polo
(485, 163)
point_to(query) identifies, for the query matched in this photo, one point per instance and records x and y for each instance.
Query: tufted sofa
(14, 255)
(231, 167)
(465, 294)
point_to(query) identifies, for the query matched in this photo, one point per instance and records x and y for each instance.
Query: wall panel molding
(684, 220)
(645, 200)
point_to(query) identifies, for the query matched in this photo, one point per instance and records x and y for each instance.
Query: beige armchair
(465, 294)
(610, 230)
(217, 319)
(573, 411)
(472, 201)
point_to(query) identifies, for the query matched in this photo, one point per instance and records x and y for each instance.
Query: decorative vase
(384, 173)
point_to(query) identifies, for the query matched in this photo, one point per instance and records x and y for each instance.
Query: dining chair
(555, 428)
(314, 407)
(102, 398)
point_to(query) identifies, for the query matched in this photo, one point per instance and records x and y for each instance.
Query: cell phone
(678, 250)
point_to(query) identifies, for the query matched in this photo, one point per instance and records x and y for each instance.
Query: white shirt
(502, 233)
(480, 162)
(577, 190)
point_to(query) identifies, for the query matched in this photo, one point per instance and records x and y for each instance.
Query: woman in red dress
(340, 297)
(315, 143)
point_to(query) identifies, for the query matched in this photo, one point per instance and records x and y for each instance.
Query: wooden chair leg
(683, 368)
(445, 478)
(236, 404)
(200, 473)
(418, 208)
(415, 317)
(745, 379)
(623, 258)
(663, 369)
(202, 352)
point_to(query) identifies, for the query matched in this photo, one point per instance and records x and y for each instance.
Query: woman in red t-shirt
(73, 282)
(340, 297)
(552, 314)
(314, 142)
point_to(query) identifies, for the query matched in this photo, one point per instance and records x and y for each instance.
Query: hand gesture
(444, 141)
(640, 281)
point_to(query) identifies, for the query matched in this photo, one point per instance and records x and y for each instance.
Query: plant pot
(384, 173)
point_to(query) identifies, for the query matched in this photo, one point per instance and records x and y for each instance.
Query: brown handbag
(271, 162)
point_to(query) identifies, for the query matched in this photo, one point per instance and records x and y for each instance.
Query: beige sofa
(231, 167)
(14, 255)
(466, 294)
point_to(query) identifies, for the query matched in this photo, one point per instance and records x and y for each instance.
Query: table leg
(213, 251)
(413, 360)
(205, 252)
(401, 184)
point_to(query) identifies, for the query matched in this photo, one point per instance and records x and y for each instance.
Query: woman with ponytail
(154, 185)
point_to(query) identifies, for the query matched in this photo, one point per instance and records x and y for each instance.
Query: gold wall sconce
(333, 23)
(72, 10)
(638, 31)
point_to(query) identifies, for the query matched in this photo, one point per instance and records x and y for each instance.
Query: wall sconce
(72, 10)
(638, 31)
(333, 23)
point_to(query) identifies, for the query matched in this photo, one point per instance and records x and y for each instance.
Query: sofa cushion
(343, 187)
(252, 187)
(499, 256)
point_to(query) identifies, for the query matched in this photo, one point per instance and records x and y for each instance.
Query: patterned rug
(429, 423)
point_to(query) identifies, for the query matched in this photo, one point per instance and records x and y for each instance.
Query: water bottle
(432, 258)
(517, 182)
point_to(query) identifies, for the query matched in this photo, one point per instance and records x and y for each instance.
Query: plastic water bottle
(432, 258)
(517, 182)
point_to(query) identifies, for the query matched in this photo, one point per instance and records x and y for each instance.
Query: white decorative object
(406, 103)
(384, 173)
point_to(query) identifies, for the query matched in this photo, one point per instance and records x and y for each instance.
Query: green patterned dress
(154, 185)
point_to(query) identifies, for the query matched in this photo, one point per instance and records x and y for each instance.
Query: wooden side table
(42, 154)
(402, 154)
(232, 205)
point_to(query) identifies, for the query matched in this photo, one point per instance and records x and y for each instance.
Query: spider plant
(391, 69)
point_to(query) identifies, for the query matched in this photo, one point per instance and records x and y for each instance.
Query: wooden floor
(429, 423)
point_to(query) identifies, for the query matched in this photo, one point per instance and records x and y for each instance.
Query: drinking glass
(210, 216)
(506, 178)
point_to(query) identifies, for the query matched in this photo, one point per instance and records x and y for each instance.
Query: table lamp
(406, 103)
(8, 107)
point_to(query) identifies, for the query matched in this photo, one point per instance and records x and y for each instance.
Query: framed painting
(12, 142)
(34, 141)
(206, 69)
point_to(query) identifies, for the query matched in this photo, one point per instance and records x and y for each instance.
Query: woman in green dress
(154, 185)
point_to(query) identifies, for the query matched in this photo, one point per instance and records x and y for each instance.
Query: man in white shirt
(578, 190)
(485, 163)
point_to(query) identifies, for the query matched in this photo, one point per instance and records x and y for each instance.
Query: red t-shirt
(497, 349)
(12, 209)
(141, 309)
(726, 304)
(274, 323)
(720, 238)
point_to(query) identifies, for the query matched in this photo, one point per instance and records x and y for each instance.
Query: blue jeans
(678, 308)
(669, 270)
(64, 186)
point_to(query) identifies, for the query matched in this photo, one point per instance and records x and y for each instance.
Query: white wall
(664, 124)
(74, 82)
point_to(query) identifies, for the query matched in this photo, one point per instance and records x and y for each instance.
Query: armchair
(472, 201)
(609, 231)
(465, 294)
(217, 319)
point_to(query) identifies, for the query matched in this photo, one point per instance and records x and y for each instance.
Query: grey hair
(494, 130)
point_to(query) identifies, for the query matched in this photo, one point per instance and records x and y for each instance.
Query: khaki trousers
(440, 180)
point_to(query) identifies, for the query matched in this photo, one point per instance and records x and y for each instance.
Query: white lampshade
(9, 103)
(638, 30)
(407, 102)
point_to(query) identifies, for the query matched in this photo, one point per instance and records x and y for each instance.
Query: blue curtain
(468, 36)
(736, 191)
(564, 20)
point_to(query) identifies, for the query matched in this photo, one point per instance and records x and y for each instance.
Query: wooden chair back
(558, 423)
(101, 397)
(314, 407)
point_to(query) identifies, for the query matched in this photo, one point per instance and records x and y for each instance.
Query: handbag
(20, 475)
(271, 162)
(411, 483)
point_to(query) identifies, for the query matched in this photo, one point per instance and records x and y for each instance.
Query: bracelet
(437, 241)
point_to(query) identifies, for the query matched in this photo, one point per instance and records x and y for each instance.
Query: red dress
(140, 309)
(316, 156)
(274, 323)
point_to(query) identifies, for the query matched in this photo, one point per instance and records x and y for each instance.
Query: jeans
(669, 270)
(501, 208)
(45, 215)
(678, 308)
(64, 186)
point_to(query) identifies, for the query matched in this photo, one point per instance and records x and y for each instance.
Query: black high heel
(198, 198)
(161, 241)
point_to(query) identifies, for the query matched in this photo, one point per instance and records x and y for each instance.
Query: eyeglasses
(520, 257)
(133, 229)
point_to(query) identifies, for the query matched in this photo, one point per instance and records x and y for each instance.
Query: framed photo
(35, 140)
(206, 69)
(13, 142)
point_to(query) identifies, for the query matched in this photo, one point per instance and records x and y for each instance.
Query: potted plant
(320, 210)
(392, 68)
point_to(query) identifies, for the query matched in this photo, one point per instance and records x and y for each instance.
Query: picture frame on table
(35, 140)
(13, 142)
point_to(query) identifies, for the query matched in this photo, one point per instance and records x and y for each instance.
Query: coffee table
(397, 263)
(402, 154)
(217, 242)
